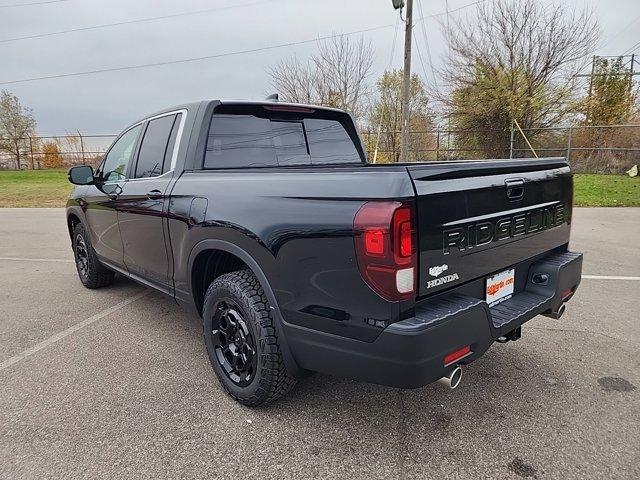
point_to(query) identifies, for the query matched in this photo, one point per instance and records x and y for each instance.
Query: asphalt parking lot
(116, 383)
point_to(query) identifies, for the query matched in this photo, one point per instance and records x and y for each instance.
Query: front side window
(117, 160)
(153, 148)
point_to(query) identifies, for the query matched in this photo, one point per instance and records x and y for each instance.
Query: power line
(422, 19)
(31, 4)
(424, 70)
(426, 42)
(162, 17)
(128, 22)
(451, 11)
(219, 55)
(393, 50)
(629, 50)
(194, 59)
(620, 32)
(601, 46)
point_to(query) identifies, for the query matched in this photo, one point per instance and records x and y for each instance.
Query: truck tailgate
(478, 218)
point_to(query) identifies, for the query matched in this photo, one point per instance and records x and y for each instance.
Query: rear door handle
(154, 194)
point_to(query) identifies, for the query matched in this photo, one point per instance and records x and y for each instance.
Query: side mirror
(81, 175)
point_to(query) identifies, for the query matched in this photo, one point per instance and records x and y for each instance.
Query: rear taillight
(385, 240)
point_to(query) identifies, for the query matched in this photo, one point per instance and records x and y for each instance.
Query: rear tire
(91, 272)
(242, 342)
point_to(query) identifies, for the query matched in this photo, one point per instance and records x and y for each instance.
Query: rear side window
(329, 142)
(172, 143)
(289, 142)
(239, 140)
(152, 158)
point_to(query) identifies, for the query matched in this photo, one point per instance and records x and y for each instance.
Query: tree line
(511, 63)
(21, 147)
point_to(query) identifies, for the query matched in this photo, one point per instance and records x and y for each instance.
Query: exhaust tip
(456, 376)
(452, 379)
(561, 310)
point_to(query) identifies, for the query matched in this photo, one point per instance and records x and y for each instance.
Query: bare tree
(514, 60)
(71, 149)
(335, 76)
(294, 81)
(16, 125)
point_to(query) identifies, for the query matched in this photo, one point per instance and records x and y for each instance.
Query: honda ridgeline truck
(266, 219)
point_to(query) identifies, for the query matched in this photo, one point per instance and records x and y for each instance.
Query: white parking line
(609, 277)
(20, 259)
(65, 333)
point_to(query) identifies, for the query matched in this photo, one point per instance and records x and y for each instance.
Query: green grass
(50, 188)
(34, 188)
(593, 190)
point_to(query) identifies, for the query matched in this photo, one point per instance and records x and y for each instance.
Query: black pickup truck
(266, 219)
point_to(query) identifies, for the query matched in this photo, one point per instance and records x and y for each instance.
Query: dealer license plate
(500, 287)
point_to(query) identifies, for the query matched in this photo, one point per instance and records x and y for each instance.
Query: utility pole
(593, 69)
(406, 86)
(631, 73)
(81, 146)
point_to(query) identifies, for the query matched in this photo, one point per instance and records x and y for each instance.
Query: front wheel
(91, 272)
(241, 340)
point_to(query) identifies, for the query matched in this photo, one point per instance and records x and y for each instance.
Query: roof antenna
(272, 98)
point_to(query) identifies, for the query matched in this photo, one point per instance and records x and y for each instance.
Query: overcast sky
(107, 102)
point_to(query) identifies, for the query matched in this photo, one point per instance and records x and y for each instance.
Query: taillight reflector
(384, 235)
(567, 294)
(457, 355)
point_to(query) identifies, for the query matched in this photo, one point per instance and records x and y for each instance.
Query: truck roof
(282, 104)
(196, 104)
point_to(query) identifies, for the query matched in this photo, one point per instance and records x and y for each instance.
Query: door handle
(154, 194)
(115, 192)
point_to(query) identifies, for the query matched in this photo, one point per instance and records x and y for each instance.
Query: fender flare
(213, 244)
(76, 211)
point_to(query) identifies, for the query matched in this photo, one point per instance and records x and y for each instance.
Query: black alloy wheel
(233, 342)
(82, 256)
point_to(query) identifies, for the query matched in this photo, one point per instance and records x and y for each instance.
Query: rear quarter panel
(297, 224)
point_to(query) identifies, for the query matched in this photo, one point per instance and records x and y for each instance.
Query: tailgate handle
(515, 188)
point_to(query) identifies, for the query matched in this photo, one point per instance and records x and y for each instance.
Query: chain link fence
(594, 149)
(62, 151)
